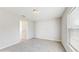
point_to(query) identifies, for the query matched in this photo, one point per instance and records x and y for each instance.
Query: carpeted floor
(36, 45)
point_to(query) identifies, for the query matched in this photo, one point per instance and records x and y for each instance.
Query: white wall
(64, 30)
(9, 29)
(31, 29)
(48, 29)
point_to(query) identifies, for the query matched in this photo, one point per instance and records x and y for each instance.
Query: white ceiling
(45, 13)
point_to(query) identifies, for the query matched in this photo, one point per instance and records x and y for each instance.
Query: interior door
(23, 29)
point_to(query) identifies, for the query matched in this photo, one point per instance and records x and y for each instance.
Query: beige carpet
(36, 45)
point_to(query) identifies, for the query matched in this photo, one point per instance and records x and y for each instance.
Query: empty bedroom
(39, 29)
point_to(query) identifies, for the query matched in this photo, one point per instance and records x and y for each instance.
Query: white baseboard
(49, 39)
(68, 47)
(10, 44)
